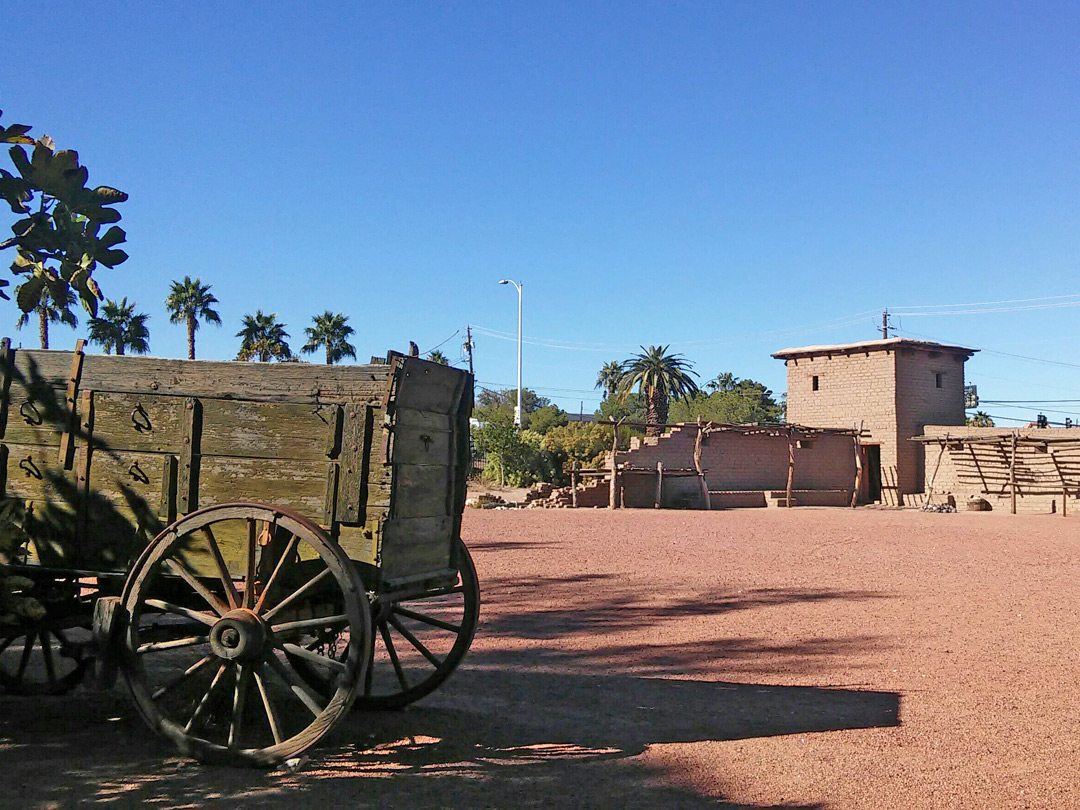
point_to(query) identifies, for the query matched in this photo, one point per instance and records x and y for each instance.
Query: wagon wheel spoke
(423, 617)
(171, 644)
(249, 575)
(268, 705)
(286, 555)
(313, 657)
(307, 586)
(204, 702)
(191, 671)
(323, 622)
(434, 660)
(209, 597)
(180, 610)
(384, 631)
(295, 684)
(239, 698)
(47, 654)
(28, 647)
(223, 571)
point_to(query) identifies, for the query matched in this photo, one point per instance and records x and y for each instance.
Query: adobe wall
(958, 473)
(736, 462)
(853, 389)
(921, 402)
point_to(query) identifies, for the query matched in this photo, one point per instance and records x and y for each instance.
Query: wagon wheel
(45, 656)
(219, 607)
(419, 640)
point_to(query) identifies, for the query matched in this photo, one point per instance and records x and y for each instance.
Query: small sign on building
(971, 396)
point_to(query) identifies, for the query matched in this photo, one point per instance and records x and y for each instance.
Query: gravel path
(807, 658)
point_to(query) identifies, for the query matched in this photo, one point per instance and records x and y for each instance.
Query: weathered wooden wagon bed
(260, 545)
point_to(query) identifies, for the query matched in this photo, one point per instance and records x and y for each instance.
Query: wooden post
(697, 466)
(613, 498)
(858, 468)
(659, 484)
(933, 478)
(1012, 474)
(790, 465)
(573, 484)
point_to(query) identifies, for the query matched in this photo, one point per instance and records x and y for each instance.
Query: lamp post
(517, 410)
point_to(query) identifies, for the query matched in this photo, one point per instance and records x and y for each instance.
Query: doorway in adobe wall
(872, 465)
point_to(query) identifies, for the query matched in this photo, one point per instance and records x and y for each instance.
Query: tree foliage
(117, 328)
(262, 338)
(544, 419)
(53, 306)
(188, 302)
(731, 401)
(58, 238)
(609, 377)
(660, 377)
(330, 331)
(438, 357)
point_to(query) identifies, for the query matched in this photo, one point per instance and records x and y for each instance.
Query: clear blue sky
(729, 178)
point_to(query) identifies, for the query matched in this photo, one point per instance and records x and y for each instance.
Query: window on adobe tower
(938, 378)
(814, 382)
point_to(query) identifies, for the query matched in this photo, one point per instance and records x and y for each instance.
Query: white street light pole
(517, 410)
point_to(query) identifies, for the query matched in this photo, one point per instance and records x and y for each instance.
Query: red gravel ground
(805, 658)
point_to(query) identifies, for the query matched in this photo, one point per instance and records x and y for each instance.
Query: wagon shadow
(526, 739)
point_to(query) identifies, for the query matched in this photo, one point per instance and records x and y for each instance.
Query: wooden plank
(421, 491)
(36, 415)
(426, 386)
(169, 477)
(82, 476)
(6, 368)
(421, 446)
(67, 442)
(265, 430)
(352, 477)
(425, 420)
(187, 479)
(335, 424)
(412, 546)
(296, 485)
(128, 478)
(139, 422)
(35, 473)
(360, 543)
(312, 383)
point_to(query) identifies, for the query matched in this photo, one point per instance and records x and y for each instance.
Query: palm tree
(609, 377)
(53, 306)
(188, 301)
(725, 381)
(118, 327)
(660, 377)
(263, 338)
(331, 331)
(438, 357)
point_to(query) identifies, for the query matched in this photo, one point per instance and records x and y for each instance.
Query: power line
(1003, 354)
(989, 303)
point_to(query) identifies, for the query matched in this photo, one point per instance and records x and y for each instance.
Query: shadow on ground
(492, 738)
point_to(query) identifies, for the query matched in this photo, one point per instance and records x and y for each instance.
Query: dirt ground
(806, 658)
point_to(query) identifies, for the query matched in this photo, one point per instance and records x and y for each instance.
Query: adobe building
(893, 388)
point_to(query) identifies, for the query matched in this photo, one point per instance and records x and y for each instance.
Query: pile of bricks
(590, 495)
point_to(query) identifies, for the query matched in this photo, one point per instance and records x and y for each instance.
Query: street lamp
(517, 410)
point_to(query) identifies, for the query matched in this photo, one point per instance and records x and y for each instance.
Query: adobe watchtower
(894, 387)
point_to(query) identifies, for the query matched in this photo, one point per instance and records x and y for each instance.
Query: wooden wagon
(254, 547)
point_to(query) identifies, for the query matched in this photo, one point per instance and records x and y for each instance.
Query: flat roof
(884, 344)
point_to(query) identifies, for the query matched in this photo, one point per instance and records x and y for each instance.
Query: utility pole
(469, 346)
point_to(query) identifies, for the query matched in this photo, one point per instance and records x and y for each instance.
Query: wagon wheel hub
(239, 635)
